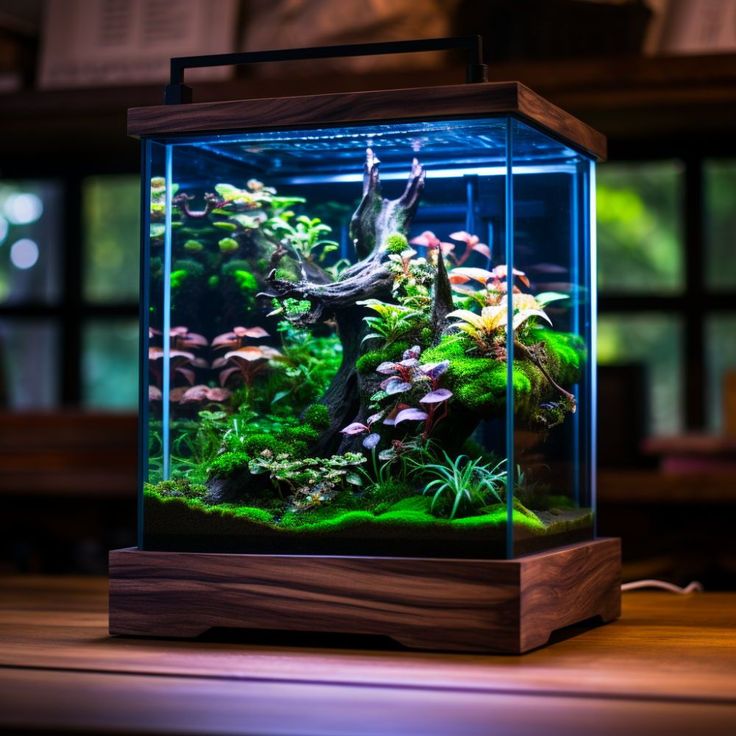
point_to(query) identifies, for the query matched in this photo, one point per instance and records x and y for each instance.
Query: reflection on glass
(720, 224)
(110, 364)
(720, 356)
(640, 227)
(30, 241)
(28, 356)
(656, 341)
(111, 234)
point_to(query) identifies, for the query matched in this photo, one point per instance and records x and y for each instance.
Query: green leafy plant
(312, 481)
(466, 482)
(393, 322)
(303, 236)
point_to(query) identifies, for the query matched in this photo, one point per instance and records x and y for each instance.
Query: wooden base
(504, 606)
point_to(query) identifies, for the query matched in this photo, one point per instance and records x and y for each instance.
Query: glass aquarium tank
(369, 338)
(368, 371)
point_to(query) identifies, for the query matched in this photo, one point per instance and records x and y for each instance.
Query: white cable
(693, 587)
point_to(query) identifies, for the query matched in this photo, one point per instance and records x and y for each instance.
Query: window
(68, 292)
(667, 277)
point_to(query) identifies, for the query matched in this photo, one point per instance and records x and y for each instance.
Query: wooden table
(667, 667)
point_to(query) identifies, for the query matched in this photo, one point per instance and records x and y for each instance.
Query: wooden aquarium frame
(495, 606)
(481, 99)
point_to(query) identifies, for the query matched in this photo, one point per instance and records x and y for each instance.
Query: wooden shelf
(686, 101)
(654, 486)
(667, 667)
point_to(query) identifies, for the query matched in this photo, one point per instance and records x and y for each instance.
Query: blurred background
(658, 77)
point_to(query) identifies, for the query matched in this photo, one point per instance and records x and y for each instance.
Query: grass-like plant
(466, 481)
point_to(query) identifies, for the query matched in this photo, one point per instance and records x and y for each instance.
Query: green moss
(300, 433)
(392, 492)
(396, 243)
(479, 383)
(296, 307)
(285, 275)
(178, 278)
(317, 416)
(245, 280)
(191, 267)
(565, 353)
(257, 443)
(228, 245)
(369, 361)
(228, 463)
(259, 516)
(177, 488)
(415, 502)
(408, 518)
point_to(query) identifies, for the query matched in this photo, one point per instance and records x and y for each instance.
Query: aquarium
(371, 338)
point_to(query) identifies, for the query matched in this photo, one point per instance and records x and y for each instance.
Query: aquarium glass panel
(654, 341)
(29, 351)
(553, 305)
(111, 207)
(109, 366)
(720, 224)
(30, 241)
(329, 334)
(640, 227)
(721, 368)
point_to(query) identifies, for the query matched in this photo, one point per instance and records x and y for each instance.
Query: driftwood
(374, 220)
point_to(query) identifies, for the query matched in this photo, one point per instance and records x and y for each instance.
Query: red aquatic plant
(236, 338)
(247, 362)
(182, 359)
(471, 244)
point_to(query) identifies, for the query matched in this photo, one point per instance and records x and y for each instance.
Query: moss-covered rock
(479, 382)
(369, 361)
(317, 416)
(228, 463)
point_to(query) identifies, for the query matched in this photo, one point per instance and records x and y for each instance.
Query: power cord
(693, 587)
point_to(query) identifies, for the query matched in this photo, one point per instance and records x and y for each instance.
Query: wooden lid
(426, 103)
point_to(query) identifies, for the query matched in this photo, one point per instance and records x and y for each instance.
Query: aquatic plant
(303, 236)
(182, 359)
(493, 283)
(246, 362)
(487, 328)
(393, 322)
(306, 366)
(311, 481)
(236, 338)
(202, 392)
(428, 239)
(472, 245)
(470, 242)
(466, 482)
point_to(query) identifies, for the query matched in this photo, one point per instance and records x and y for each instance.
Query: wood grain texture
(425, 103)
(462, 605)
(664, 647)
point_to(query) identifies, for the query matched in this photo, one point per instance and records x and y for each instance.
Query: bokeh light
(24, 253)
(23, 208)
(3, 229)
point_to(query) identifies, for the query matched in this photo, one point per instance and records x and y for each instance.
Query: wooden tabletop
(668, 666)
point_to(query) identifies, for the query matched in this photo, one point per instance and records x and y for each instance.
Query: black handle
(177, 92)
